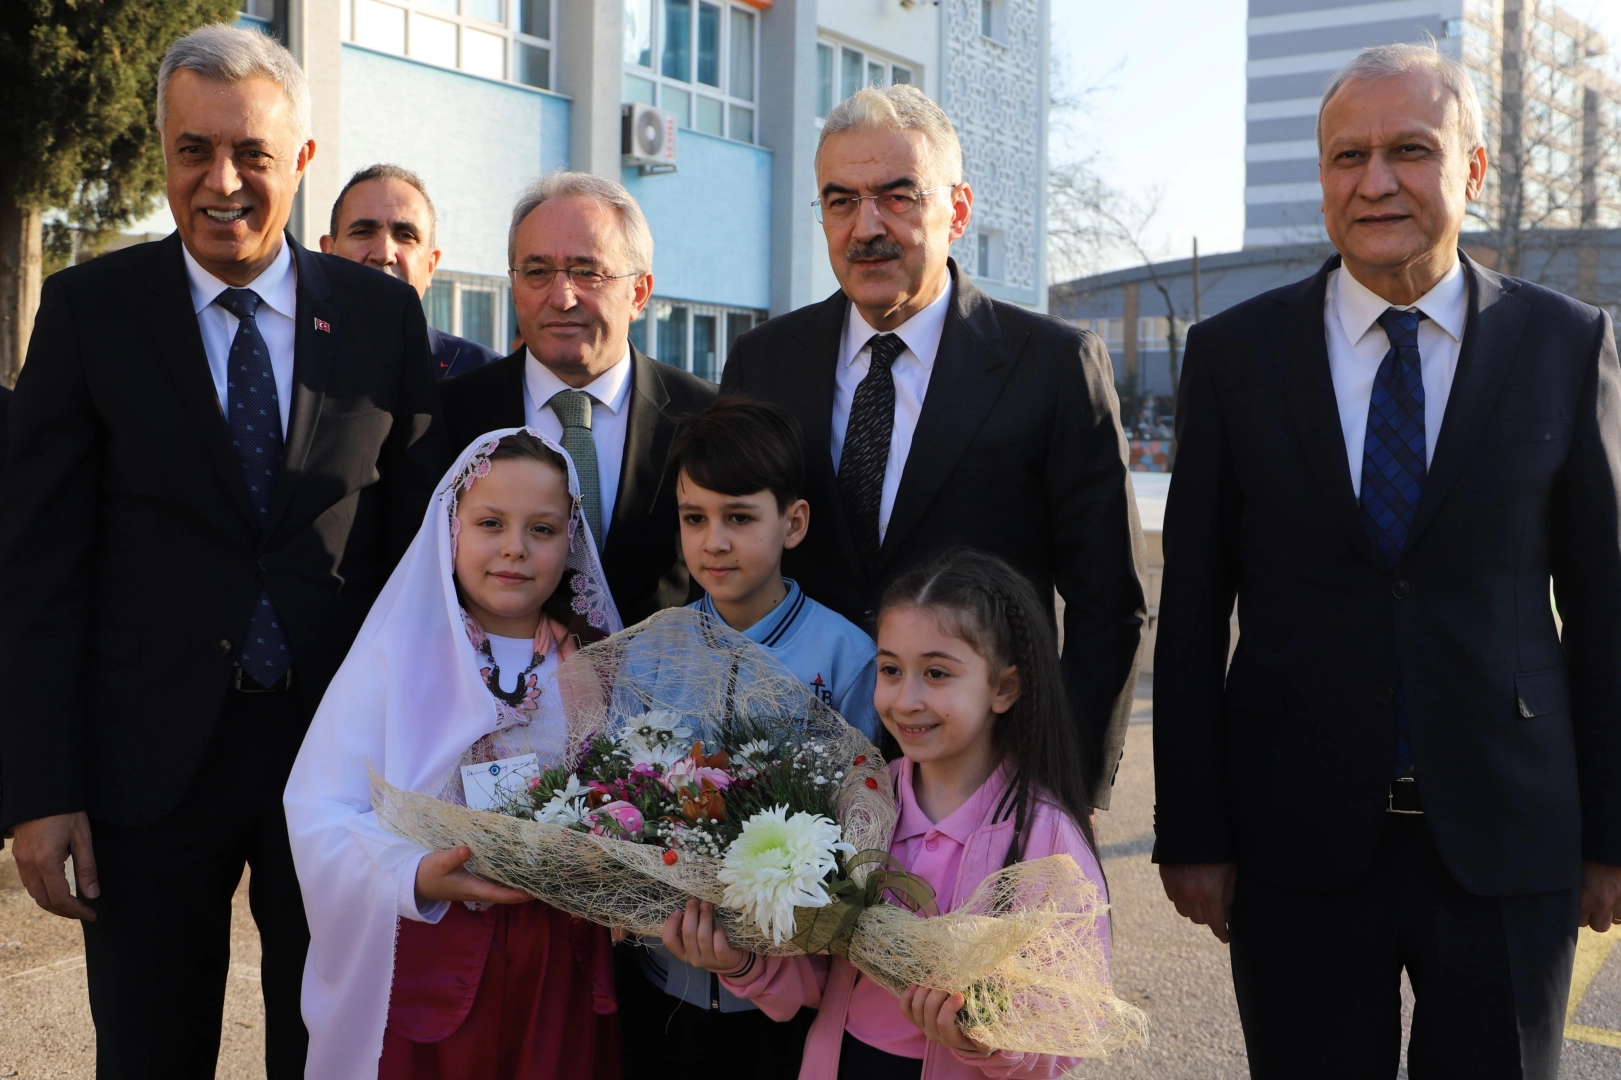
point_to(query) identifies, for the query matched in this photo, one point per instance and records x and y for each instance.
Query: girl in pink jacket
(970, 689)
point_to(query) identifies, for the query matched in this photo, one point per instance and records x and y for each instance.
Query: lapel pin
(323, 326)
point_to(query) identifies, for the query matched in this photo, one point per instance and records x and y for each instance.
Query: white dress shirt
(276, 317)
(1357, 345)
(911, 371)
(610, 394)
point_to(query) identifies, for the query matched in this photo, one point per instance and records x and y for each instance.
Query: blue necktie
(1393, 467)
(254, 415)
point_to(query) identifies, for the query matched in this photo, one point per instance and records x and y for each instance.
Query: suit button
(1384, 695)
(225, 648)
(1400, 589)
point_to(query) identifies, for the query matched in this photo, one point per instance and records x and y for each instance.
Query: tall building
(481, 96)
(1553, 113)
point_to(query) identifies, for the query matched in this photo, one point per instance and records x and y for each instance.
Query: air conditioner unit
(647, 138)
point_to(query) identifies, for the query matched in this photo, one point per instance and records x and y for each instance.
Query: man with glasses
(936, 417)
(581, 260)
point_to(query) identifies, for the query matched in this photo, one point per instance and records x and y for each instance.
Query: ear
(1477, 173)
(798, 515)
(962, 208)
(305, 154)
(642, 293)
(433, 261)
(1007, 690)
(326, 245)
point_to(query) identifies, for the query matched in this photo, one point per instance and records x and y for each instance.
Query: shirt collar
(921, 333)
(768, 631)
(1447, 304)
(277, 284)
(962, 822)
(610, 389)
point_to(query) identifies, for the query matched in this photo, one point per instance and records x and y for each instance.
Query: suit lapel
(173, 324)
(1302, 357)
(969, 370)
(1491, 340)
(647, 445)
(810, 378)
(314, 351)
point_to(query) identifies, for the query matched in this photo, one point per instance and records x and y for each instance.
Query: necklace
(492, 678)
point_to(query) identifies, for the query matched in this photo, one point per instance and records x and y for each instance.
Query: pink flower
(688, 773)
(619, 816)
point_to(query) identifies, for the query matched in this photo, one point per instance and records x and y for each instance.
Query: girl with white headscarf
(418, 969)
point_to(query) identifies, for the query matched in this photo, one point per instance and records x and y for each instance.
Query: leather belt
(1404, 798)
(244, 683)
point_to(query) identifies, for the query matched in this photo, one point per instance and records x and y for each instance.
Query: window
(993, 19)
(989, 251)
(472, 306)
(262, 12)
(847, 69)
(692, 337)
(705, 71)
(496, 39)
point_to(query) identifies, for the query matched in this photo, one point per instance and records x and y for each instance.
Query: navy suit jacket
(1282, 762)
(454, 355)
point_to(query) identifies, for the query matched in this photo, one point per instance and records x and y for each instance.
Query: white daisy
(778, 863)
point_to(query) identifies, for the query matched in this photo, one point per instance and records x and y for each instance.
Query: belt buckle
(1390, 805)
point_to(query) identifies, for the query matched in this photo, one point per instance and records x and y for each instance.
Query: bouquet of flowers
(699, 767)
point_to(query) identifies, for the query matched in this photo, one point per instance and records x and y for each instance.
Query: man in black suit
(1404, 766)
(5, 437)
(582, 254)
(936, 417)
(222, 444)
(384, 218)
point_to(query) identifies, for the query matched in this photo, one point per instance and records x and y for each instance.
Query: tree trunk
(21, 263)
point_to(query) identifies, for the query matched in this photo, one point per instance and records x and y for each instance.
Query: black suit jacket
(5, 437)
(454, 355)
(1018, 452)
(130, 560)
(1516, 736)
(642, 553)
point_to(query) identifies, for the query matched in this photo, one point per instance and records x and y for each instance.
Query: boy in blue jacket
(739, 471)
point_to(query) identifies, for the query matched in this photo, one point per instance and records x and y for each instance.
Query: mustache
(879, 247)
(392, 270)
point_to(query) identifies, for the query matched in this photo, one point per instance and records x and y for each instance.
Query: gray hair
(1390, 61)
(224, 53)
(902, 107)
(562, 184)
(384, 171)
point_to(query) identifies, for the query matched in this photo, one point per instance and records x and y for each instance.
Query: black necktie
(254, 414)
(866, 445)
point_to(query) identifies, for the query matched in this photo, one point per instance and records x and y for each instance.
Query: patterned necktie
(254, 414)
(866, 445)
(1393, 467)
(573, 408)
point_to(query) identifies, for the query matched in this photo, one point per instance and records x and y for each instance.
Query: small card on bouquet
(489, 785)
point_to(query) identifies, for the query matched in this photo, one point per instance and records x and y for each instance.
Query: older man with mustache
(936, 417)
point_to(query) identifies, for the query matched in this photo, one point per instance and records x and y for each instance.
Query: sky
(1169, 111)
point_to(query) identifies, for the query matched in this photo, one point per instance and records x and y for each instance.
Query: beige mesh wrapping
(1024, 947)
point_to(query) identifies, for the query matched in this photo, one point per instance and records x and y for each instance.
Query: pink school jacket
(780, 985)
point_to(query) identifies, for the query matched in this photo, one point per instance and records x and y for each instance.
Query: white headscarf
(409, 703)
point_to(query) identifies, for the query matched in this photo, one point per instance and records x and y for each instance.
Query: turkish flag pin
(323, 326)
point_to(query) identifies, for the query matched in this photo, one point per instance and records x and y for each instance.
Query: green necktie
(573, 408)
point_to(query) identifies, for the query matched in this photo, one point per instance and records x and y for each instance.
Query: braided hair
(985, 602)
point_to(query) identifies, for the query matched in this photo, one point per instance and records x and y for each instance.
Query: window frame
(644, 329)
(867, 56)
(460, 283)
(730, 104)
(513, 39)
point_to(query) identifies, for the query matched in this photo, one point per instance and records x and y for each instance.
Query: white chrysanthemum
(656, 738)
(779, 863)
(756, 752)
(566, 806)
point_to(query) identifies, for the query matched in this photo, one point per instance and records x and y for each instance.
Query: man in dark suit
(936, 417)
(581, 255)
(222, 444)
(384, 218)
(5, 436)
(1404, 766)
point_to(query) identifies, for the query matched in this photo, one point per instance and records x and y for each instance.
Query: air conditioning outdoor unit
(647, 138)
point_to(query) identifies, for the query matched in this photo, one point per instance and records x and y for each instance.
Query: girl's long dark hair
(990, 605)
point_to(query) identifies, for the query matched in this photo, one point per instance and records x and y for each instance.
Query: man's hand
(1202, 892)
(441, 876)
(42, 847)
(1601, 896)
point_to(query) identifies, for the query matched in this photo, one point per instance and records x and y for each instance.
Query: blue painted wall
(711, 222)
(474, 142)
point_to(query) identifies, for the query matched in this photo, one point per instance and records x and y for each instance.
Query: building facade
(481, 96)
(1553, 112)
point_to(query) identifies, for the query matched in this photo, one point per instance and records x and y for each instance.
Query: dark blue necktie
(254, 414)
(1393, 467)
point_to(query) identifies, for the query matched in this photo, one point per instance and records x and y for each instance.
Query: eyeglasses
(581, 278)
(891, 204)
